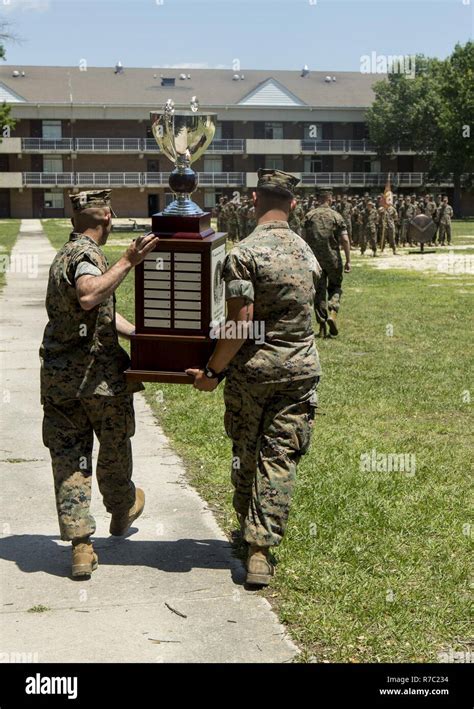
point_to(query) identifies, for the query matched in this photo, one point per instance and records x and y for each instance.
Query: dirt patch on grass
(452, 260)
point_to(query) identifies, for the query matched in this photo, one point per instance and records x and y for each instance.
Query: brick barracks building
(89, 128)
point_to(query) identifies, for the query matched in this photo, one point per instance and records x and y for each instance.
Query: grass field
(375, 566)
(8, 234)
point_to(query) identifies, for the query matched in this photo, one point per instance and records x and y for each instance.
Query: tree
(432, 114)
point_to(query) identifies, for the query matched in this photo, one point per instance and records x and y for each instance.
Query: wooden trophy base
(171, 354)
(173, 227)
(178, 293)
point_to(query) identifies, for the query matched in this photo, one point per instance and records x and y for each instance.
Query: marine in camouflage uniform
(325, 231)
(252, 222)
(220, 213)
(369, 233)
(389, 218)
(356, 219)
(84, 391)
(407, 213)
(270, 391)
(444, 215)
(294, 222)
(232, 221)
(346, 214)
(242, 209)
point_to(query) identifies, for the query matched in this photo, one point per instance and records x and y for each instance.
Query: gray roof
(213, 87)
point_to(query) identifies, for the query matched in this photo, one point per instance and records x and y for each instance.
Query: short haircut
(90, 218)
(272, 200)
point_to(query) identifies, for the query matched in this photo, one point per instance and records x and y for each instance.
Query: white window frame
(209, 199)
(213, 163)
(52, 130)
(56, 166)
(274, 162)
(56, 198)
(275, 128)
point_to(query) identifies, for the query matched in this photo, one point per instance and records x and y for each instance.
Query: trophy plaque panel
(178, 293)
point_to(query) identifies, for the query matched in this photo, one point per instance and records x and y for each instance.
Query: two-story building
(83, 128)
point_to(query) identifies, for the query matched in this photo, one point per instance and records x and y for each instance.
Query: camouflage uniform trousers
(270, 426)
(355, 234)
(68, 432)
(389, 235)
(444, 233)
(404, 231)
(369, 235)
(329, 289)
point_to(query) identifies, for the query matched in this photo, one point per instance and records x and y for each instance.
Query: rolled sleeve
(86, 269)
(240, 289)
(238, 274)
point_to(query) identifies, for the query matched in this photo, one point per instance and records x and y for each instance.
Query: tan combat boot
(84, 559)
(331, 321)
(259, 568)
(120, 524)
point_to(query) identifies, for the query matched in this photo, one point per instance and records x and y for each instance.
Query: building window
(362, 164)
(274, 162)
(273, 131)
(209, 199)
(218, 133)
(313, 164)
(52, 163)
(361, 131)
(212, 163)
(52, 130)
(53, 200)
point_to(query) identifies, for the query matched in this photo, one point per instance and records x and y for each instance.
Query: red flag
(387, 200)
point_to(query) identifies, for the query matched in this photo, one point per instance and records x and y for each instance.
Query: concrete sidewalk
(177, 557)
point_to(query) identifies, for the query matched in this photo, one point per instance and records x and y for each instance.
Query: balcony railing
(126, 179)
(362, 179)
(221, 179)
(345, 146)
(108, 145)
(116, 145)
(227, 145)
(53, 179)
(40, 145)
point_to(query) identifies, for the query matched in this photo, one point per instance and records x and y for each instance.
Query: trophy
(179, 295)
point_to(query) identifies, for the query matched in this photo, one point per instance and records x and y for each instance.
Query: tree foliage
(432, 113)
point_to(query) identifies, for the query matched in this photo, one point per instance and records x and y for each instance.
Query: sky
(234, 34)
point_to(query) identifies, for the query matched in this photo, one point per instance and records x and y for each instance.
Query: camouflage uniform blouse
(80, 353)
(275, 270)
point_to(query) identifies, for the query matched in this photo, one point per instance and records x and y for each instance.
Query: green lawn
(375, 565)
(8, 233)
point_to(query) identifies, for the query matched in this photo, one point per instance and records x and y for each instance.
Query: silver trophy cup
(183, 137)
